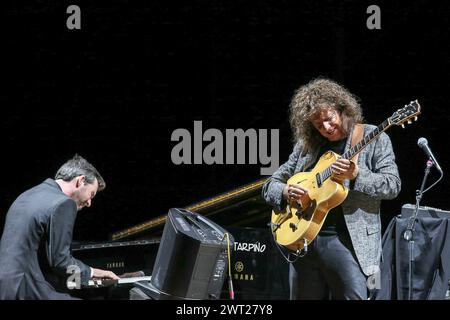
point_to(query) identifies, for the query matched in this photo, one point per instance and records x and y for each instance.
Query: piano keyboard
(101, 283)
(109, 282)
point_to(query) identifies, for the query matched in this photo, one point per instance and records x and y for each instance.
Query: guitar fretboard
(353, 151)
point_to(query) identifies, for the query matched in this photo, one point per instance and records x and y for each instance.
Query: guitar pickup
(319, 179)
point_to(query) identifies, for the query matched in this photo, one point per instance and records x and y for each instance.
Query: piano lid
(243, 206)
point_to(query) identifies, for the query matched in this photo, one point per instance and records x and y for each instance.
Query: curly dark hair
(321, 94)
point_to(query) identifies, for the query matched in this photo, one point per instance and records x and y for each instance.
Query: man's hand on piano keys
(104, 278)
(102, 274)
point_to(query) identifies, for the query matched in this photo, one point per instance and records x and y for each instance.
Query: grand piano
(258, 269)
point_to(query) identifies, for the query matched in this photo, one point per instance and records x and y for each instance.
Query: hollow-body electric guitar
(297, 225)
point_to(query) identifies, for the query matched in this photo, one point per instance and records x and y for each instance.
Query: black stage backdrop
(115, 90)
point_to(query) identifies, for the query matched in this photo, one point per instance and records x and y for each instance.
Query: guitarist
(347, 250)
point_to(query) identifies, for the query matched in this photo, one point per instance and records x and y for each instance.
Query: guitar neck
(353, 151)
(412, 110)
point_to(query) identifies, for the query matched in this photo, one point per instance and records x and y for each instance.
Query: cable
(298, 254)
(442, 174)
(230, 279)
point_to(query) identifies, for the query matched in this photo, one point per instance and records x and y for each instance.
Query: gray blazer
(35, 246)
(378, 179)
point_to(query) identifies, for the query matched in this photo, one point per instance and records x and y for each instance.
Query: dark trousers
(330, 266)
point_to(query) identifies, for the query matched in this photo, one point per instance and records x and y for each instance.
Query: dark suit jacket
(35, 246)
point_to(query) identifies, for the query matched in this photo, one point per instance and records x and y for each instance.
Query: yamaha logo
(239, 266)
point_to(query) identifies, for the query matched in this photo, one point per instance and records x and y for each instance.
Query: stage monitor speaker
(192, 259)
(424, 212)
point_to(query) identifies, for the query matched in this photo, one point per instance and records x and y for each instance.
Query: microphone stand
(409, 233)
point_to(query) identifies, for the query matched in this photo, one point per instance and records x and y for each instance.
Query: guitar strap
(357, 135)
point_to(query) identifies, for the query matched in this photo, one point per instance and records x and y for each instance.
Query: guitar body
(295, 224)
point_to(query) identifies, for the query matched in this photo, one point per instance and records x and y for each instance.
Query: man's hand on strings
(344, 169)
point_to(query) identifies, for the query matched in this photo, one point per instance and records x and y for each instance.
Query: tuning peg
(409, 121)
(403, 125)
(415, 118)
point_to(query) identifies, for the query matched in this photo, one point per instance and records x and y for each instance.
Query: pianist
(35, 245)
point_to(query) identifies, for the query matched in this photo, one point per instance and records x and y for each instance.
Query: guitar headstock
(405, 114)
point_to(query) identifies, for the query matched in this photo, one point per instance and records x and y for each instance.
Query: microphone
(423, 143)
